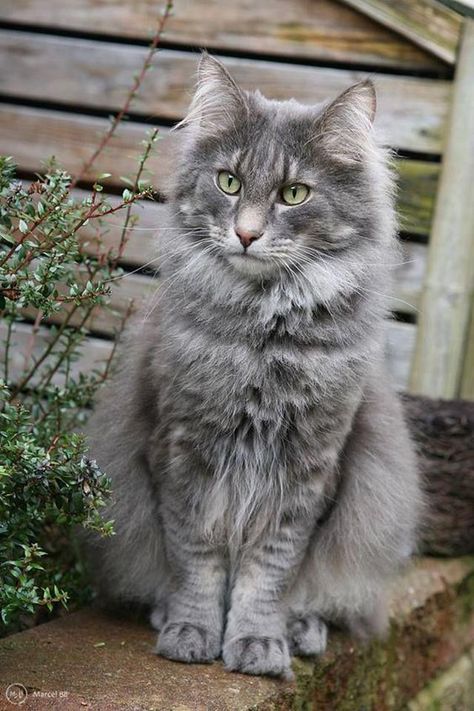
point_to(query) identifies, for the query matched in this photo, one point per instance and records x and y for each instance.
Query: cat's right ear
(217, 100)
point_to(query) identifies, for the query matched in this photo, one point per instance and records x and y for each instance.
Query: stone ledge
(91, 661)
(453, 690)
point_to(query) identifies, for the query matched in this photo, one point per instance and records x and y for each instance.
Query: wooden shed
(68, 65)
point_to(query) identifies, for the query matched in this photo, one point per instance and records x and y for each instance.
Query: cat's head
(272, 187)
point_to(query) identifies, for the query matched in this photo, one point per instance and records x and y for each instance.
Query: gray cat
(263, 479)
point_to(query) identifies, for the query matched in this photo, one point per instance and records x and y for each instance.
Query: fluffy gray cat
(263, 479)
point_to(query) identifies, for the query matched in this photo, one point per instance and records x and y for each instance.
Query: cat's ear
(217, 100)
(344, 128)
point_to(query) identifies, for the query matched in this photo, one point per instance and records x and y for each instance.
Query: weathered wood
(93, 356)
(444, 435)
(417, 184)
(408, 279)
(425, 22)
(400, 339)
(464, 7)
(467, 381)
(400, 343)
(141, 247)
(323, 30)
(131, 290)
(33, 134)
(411, 111)
(127, 294)
(449, 286)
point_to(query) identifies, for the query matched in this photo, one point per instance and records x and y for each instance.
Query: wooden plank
(467, 382)
(411, 111)
(464, 7)
(142, 250)
(426, 22)
(135, 289)
(128, 294)
(94, 354)
(30, 135)
(417, 184)
(399, 347)
(449, 286)
(323, 30)
(141, 247)
(132, 290)
(408, 279)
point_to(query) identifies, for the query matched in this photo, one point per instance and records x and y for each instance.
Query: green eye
(294, 194)
(228, 182)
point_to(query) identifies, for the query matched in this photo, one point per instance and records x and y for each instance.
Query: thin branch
(32, 339)
(138, 80)
(6, 353)
(141, 166)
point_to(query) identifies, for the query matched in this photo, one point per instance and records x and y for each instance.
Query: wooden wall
(67, 65)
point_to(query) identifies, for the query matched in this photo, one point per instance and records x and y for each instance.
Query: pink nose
(246, 237)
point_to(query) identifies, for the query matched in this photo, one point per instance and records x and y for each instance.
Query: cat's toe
(307, 635)
(186, 642)
(258, 655)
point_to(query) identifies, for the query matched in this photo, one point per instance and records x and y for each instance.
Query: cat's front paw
(258, 655)
(307, 635)
(186, 642)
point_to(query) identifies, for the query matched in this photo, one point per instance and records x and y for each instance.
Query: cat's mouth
(252, 264)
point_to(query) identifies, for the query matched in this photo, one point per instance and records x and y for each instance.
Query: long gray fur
(263, 479)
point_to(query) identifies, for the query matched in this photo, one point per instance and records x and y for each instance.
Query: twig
(130, 96)
(90, 215)
(118, 333)
(6, 354)
(141, 166)
(67, 352)
(32, 339)
(34, 226)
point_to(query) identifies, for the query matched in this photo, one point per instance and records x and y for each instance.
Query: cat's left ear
(217, 101)
(344, 129)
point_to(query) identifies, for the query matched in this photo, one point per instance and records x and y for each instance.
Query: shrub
(50, 282)
(52, 279)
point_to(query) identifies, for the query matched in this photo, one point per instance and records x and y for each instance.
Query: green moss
(306, 671)
(466, 595)
(417, 182)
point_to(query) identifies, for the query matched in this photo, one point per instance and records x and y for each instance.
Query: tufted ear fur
(344, 128)
(217, 99)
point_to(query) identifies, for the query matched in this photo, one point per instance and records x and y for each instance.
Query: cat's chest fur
(264, 389)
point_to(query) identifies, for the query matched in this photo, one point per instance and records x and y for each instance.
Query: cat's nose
(246, 237)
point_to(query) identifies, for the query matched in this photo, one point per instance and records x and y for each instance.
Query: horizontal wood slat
(141, 246)
(324, 30)
(411, 111)
(399, 346)
(93, 356)
(425, 22)
(136, 289)
(464, 7)
(31, 135)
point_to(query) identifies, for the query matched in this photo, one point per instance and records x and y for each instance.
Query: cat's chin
(250, 265)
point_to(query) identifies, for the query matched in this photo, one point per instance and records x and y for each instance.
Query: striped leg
(256, 636)
(192, 631)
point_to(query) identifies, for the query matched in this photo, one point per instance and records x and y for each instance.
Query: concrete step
(87, 660)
